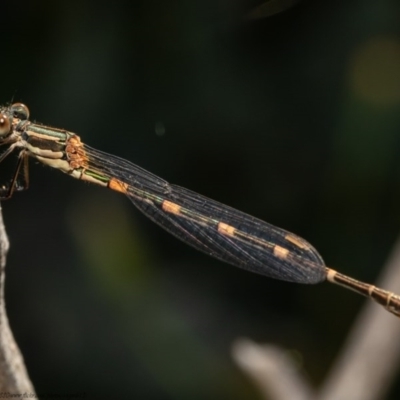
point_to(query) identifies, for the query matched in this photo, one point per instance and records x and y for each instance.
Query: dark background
(292, 117)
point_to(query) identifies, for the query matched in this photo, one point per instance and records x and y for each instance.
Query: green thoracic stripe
(97, 176)
(43, 130)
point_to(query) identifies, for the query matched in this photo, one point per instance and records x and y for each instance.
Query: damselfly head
(20, 111)
(5, 125)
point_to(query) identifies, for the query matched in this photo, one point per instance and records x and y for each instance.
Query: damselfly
(216, 229)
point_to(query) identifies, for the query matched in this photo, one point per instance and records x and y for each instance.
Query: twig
(371, 355)
(364, 369)
(14, 378)
(264, 364)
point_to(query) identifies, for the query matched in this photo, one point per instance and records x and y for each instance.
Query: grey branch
(14, 378)
(371, 355)
(363, 370)
(264, 364)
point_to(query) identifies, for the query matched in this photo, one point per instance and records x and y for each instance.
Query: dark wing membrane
(251, 247)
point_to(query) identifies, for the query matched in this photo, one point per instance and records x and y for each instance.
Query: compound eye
(5, 125)
(20, 111)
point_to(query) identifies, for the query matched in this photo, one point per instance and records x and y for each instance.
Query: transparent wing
(214, 228)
